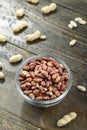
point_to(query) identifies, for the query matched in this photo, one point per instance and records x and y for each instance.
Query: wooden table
(15, 113)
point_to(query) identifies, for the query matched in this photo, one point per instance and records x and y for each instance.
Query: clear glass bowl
(47, 103)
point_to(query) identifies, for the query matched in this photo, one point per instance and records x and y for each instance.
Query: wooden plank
(61, 17)
(9, 121)
(62, 38)
(79, 6)
(54, 49)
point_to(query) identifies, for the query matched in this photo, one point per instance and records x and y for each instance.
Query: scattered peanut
(81, 88)
(74, 24)
(33, 1)
(80, 20)
(2, 38)
(2, 75)
(20, 12)
(18, 27)
(15, 58)
(43, 37)
(70, 26)
(72, 43)
(83, 22)
(66, 119)
(32, 37)
(1, 65)
(49, 8)
(77, 19)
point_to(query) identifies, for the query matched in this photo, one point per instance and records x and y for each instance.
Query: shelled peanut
(43, 79)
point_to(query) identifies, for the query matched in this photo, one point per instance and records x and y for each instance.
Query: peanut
(33, 1)
(66, 119)
(74, 24)
(81, 88)
(70, 26)
(33, 37)
(57, 79)
(32, 74)
(25, 73)
(39, 98)
(77, 19)
(50, 93)
(2, 76)
(72, 43)
(15, 58)
(80, 20)
(25, 67)
(43, 37)
(31, 95)
(38, 80)
(2, 38)
(57, 93)
(53, 96)
(44, 66)
(54, 76)
(23, 86)
(20, 78)
(20, 12)
(36, 91)
(19, 26)
(49, 8)
(83, 22)
(1, 65)
(29, 79)
(43, 83)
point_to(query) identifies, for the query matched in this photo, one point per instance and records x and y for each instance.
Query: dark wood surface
(15, 113)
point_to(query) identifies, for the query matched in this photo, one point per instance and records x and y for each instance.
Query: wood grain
(15, 113)
(61, 17)
(12, 122)
(75, 5)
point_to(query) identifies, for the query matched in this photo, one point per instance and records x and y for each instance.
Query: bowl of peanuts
(43, 80)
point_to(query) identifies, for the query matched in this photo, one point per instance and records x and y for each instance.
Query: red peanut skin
(29, 79)
(44, 66)
(47, 79)
(39, 98)
(25, 67)
(20, 78)
(36, 92)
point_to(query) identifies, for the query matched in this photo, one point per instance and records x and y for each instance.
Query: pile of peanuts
(43, 79)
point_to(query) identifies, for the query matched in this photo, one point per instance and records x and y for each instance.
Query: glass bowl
(48, 103)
